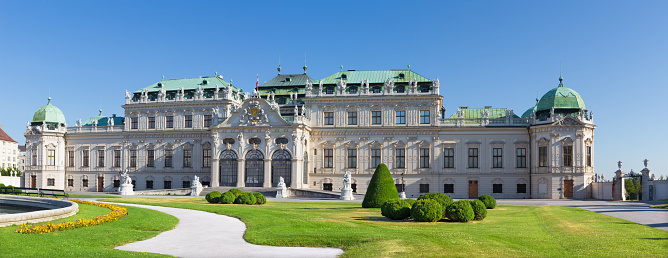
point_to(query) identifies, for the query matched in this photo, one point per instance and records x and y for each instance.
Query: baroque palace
(310, 132)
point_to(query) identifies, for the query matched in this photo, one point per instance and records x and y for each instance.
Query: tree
(630, 187)
(381, 188)
(661, 178)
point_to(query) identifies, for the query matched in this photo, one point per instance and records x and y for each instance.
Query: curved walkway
(206, 234)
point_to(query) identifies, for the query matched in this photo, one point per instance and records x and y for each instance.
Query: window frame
(206, 158)
(328, 118)
(375, 157)
(497, 157)
(473, 158)
(448, 157)
(85, 160)
(424, 117)
(117, 158)
(208, 120)
(134, 123)
(328, 158)
(542, 156)
(352, 117)
(567, 154)
(169, 122)
(151, 122)
(187, 158)
(352, 158)
(424, 188)
(424, 157)
(400, 117)
(150, 158)
(100, 158)
(376, 117)
(588, 156)
(70, 158)
(169, 158)
(188, 121)
(400, 160)
(521, 157)
(521, 187)
(448, 188)
(497, 188)
(133, 158)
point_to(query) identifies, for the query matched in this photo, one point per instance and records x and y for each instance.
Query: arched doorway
(254, 168)
(281, 166)
(228, 168)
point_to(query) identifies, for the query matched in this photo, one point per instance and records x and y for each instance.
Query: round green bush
(460, 211)
(397, 209)
(479, 209)
(235, 191)
(213, 197)
(260, 198)
(381, 188)
(488, 200)
(246, 198)
(426, 210)
(228, 198)
(441, 198)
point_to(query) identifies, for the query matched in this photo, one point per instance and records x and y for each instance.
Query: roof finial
(341, 68)
(49, 101)
(305, 67)
(279, 65)
(409, 66)
(163, 77)
(216, 72)
(100, 111)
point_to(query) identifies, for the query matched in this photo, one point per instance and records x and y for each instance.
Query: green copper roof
(49, 114)
(474, 113)
(288, 80)
(560, 98)
(379, 76)
(188, 84)
(527, 113)
(103, 120)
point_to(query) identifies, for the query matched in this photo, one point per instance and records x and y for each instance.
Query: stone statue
(281, 190)
(645, 162)
(196, 187)
(346, 179)
(619, 164)
(303, 110)
(347, 190)
(126, 184)
(296, 110)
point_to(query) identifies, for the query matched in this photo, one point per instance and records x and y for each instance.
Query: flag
(257, 83)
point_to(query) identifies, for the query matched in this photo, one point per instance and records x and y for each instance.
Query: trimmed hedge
(460, 211)
(488, 200)
(479, 209)
(235, 191)
(246, 198)
(441, 198)
(426, 210)
(228, 198)
(397, 209)
(213, 197)
(260, 198)
(381, 188)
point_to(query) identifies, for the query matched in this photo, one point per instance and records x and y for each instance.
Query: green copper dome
(560, 98)
(103, 120)
(49, 114)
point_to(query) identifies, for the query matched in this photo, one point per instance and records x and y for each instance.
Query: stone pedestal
(618, 189)
(347, 194)
(644, 184)
(196, 190)
(126, 189)
(402, 195)
(281, 192)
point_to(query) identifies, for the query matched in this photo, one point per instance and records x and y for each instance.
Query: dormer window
(288, 79)
(344, 77)
(204, 82)
(160, 84)
(281, 140)
(424, 88)
(228, 141)
(402, 76)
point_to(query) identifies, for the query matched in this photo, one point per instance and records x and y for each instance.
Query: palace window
(117, 158)
(400, 158)
(34, 158)
(151, 122)
(133, 158)
(448, 188)
(521, 157)
(206, 158)
(50, 181)
(401, 89)
(448, 158)
(186, 184)
(352, 158)
(352, 118)
(400, 187)
(169, 122)
(375, 117)
(329, 118)
(134, 123)
(187, 158)
(375, 158)
(86, 158)
(376, 89)
(353, 90)
(424, 116)
(327, 186)
(168, 158)
(70, 182)
(588, 156)
(150, 158)
(84, 182)
(424, 188)
(424, 88)
(542, 156)
(521, 188)
(328, 160)
(473, 157)
(281, 140)
(497, 188)
(149, 184)
(100, 158)
(51, 157)
(188, 121)
(168, 184)
(424, 158)
(329, 90)
(497, 158)
(70, 158)
(401, 117)
(568, 156)
(117, 183)
(207, 120)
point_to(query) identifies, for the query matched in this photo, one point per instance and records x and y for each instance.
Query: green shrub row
(236, 196)
(435, 206)
(8, 191)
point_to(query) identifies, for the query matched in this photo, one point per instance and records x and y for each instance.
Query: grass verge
(508, 230)
(98, 196)
(660, 206)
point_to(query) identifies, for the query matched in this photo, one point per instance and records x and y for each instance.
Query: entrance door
(228, 168)
(254, 168)
(568, 188)
(33, 181)
(473, 189)
(281, 166)
(100, 184)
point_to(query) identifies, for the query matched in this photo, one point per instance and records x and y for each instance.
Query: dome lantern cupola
(563, 100)
(48, 114)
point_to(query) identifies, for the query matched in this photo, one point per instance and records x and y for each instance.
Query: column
(267, 173)
(296, 179)
(215, 172)
(241, 172)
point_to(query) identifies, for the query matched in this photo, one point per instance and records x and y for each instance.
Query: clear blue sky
(498, 53)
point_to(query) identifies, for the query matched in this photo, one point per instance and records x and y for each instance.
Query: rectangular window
(187, 158)
(473, 157)
(169, 122)
(352, 118)
(542, 156)
(70, 158)
(375, 158)
(400, 187)
(328, 158)
(134, 123)
(100, 158)
(329, 90)
(521, 188)
(568, 156)
(86, 158)
(133, 158)
(206, 158)
(497, 188)
(207, 120)
(376, 117)
(497, 158)
(400, 158)
(70, 182)
(186, 184)
(588, 156)
(51, 157)
(149, 184)
(521, 157)
(424, 188)
(168, 158)
(168, 184)
(151, 122)
(449, 188)
(84, 182)
(51, 182)
(424, 158)
(448, 158)
(34, 158)
(117, 183)
(424, 116)
(150, 158)
(329, 118)
(188, 121)
(352, 158)
(401, 117)
(117, 158)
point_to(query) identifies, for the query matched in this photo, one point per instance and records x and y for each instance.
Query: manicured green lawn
(72, 196)
(660, 206)
(97, 241)
(508, 230)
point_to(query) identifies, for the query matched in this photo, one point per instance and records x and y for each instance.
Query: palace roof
(560, 98)
(474, 113)
(375, 76)
(48, 114)
(209, 82)
(103, 120)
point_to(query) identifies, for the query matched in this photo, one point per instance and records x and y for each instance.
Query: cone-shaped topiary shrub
(260, 198)
(228, 198)
(235, 191)
(441, 198)
(479, 209)
(488, 200)
(426, 210)
(246, 198)
(397, 209)
(460, 211)
(213, 197)
(381, 188)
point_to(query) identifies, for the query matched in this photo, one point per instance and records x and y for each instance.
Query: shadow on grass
(384, 219)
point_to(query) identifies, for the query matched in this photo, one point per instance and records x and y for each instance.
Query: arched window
(228, 168)
(254, 168)
(281, 166)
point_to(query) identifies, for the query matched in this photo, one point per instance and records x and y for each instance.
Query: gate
(281, 166)
(254, 168)
(33, 181)
(228, 168)
(100, 184)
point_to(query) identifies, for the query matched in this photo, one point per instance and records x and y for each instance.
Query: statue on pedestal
(126, 184)
(196, 187)
(281, 190)
(347, 190)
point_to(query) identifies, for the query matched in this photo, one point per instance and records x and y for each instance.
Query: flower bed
(116, 213)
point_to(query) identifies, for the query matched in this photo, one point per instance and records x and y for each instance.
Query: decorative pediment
(448, 181)
(589, 141)
(567, 141)
(327, 144)
(568, 121)
(399, 144)
(521, 181)
(424, 144)
(187, 145)
(449, 144)
(543, 141)
(497, 181)
(351, 145)
(206, 145)
(375, 144)
(253, 112)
